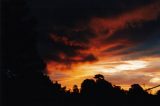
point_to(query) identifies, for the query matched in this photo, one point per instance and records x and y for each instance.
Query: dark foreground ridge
(38, 90)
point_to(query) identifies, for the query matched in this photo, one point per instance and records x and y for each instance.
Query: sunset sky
(119, 39)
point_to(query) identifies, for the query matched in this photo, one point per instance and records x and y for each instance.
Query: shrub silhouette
(99, 76)
(75, 89)
(158, 93)
(88, 87)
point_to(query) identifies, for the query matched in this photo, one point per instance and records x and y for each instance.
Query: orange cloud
(107, 26)
(102, 50)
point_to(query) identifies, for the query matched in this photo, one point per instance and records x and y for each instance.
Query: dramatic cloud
(115, 38)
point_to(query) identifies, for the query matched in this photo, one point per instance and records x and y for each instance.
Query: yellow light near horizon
(122, 66)
(132, 65)
(87, 70)
(155, 80)
(79, 72)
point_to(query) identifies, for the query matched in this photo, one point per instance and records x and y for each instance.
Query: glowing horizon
(113, 69)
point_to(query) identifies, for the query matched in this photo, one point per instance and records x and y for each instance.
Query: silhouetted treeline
(93, 92)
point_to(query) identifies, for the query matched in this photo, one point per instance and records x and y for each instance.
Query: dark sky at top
(62, 16)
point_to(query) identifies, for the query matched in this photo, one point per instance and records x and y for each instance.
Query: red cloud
(107, 26)
(102, 28)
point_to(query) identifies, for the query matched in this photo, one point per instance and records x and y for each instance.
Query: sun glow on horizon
(144, 71)
(155, 80)
(131, 65)
(75, 75)
(117, 66)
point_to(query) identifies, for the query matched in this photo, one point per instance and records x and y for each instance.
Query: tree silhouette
(19, 55)
(137, 95)
(75, 89)
(88, 87)
(19, 38)
(102, 86)
(136, 89)
(158, 93)
(99, 76)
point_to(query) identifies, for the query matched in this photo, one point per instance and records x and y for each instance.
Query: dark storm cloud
(150, 47)
(67, 12)
(90, 57)
(140, 31)
(145, 39)
(118, 47)
(79, 33)
(70, 26)
(67, 51)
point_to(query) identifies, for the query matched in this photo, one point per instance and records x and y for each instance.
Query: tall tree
(19, 38)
